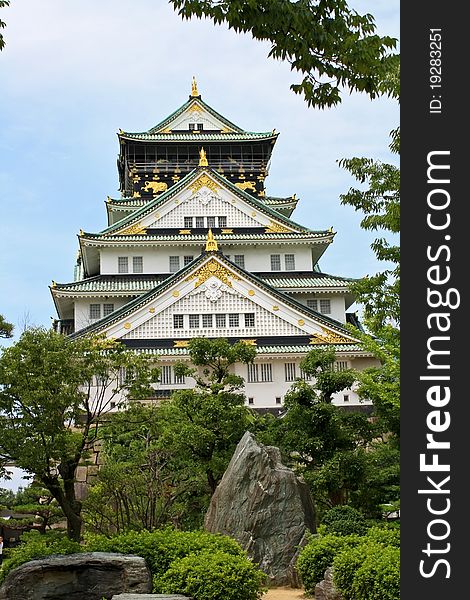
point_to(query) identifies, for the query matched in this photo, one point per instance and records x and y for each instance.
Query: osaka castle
(195, 246)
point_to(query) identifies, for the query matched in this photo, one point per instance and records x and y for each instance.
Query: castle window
(341, 365)
(95, 311)
(220, 321)
(200, 222)
(107, 309)
(207, 320)
(178, 321)
(233, 320)
(138, 264)
(188, 222)
(275, 262)
(222, 221)
(200, 126)
(278, 400)
(325, 307)
(289, 369)
(165, 377)
(192, 126)
(174, 264)
(249, 319)
(313, 304)
(194, 321)
(253, 376)
(345, 397)
(179, 379)
(251, 400)
(266, 372)
(123, 264)
(187, 260)
(290, 262)
(239, 260)
(210, 222)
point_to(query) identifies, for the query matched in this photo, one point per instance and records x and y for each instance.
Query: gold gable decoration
(212, 269)
(329, 337)
(203, 158)
(194, 90)
(134, 230)
(204, 181)
(211, 243)
(274, 227)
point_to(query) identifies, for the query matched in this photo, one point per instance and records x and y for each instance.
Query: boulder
(87, 576)
(325, 590)
(265, 507)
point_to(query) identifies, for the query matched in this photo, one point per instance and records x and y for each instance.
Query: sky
(73, 73)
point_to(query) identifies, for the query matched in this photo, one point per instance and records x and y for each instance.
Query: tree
(380, 294)
(322, 442)
(3, 3)
(6, 329)
(328, 43)
(139, 486)
(54, 392)
(203, 425)
(36, 500)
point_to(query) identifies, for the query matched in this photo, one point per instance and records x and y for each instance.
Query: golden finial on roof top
(194, 91)
(211, 243)
(54, 284)
(81, 233)
(203, 158)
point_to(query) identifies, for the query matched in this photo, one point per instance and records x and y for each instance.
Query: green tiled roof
(236, 134)
(274, 200)
(201, 238)
(129, 202)
(139, 284)
(205, 136)
(259, 350)
(110, 284)
(318, 280)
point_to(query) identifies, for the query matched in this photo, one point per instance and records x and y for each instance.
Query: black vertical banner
(435, 240)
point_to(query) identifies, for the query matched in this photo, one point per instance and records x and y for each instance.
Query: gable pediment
(203, 196)
(213, 286)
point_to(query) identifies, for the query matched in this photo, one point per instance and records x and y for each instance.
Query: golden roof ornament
(194, 91)
(203, 158)
(211, 243)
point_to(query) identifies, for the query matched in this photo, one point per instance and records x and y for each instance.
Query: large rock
(325, 590)
(87, 576)
(263, 505)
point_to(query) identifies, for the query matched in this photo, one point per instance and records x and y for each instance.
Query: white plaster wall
(82, 308)
(338, 307)
(156, 260)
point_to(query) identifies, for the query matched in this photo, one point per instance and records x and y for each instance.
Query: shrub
(161, 547)
(213, 576)
(36, 545)
(370, 571)
(344, 520)
(387, 536)
(318, 554)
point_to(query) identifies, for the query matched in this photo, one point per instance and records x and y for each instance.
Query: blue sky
(73, 73)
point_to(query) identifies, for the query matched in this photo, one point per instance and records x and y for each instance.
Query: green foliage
(344, 520)
(320, 365)
(329, 44)
(3, 3)
(202, 426)
(318, 555)
(49, 383)
(6, 329)
(360, 562)
(161, 547)
(213, 576)
(370, 571)
(34, 545)
(142, 485)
